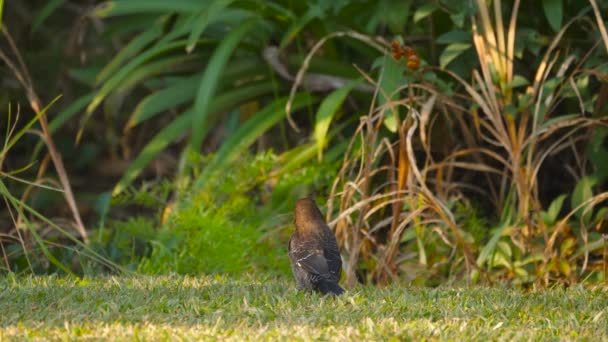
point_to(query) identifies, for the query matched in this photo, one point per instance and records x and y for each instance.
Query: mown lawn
(216, 308)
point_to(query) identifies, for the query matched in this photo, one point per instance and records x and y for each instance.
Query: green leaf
(182, 124)
(326, 112)
(554, 13)
(210, 80)
(518, 81)
(505, 248)
(550, 216)
(134, 46)
(68, 112)
(1, 11)
(424, 11)
(582, 192)
(170, 97)
(102, 208)
(455, 37)
(153, 68)
(451, 52)
(45, 12)
(122, 7)
(184, 91)
(248, 132)
(490, 247)
(116, 80)
(207, 16)
(390, 82)
(556, 121)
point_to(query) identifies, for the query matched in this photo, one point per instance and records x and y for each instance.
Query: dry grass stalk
(22, 74)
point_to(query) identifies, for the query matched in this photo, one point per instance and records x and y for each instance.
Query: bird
(313, 251)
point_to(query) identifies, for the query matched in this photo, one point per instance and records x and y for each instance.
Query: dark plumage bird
(313, 251)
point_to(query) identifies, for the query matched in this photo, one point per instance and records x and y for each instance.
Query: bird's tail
(327, 286)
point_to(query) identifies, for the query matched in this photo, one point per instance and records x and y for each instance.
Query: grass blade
(45, 12)
(122, 7)
(133, 47)
(207, 16)
(326, 112)
(24, 129)
(210, 80)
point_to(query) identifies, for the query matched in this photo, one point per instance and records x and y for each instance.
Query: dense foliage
(445, 140)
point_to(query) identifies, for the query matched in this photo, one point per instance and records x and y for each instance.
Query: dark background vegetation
(480, 156)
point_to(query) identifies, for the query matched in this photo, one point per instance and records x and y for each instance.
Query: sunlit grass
(252, 308)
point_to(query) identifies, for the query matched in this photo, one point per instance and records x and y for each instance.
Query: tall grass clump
(401, 201)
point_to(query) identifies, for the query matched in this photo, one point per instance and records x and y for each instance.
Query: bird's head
(307, 215)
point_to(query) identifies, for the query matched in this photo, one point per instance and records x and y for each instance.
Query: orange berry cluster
(399, 50)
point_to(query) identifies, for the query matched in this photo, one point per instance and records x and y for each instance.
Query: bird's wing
(334, 261)
(310, 258)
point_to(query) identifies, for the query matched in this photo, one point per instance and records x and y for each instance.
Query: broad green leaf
(210, 80)
(505, 248)
(116, 80)
(206, 17)
(183, 92)
(326, 112)
(248, 132)
(122, 7)
(518, 81)
(102, 208)
(422, 258)
(556, 121)
(451, 52)
(499, 259)
(153, 68)
(170, 97)
(583, 192)
(550, 216)
(455, 37)
(45, 12)
(490, 246)
(554, 13)
(424, 11)
(390, 82)
(130, 74)
(182, 124)
(183, 89)
(134, 46)
(588, 248)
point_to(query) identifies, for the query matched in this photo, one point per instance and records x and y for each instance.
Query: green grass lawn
(209, 307)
